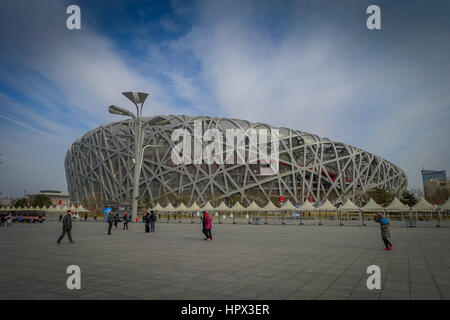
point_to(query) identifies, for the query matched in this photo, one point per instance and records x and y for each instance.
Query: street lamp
(137, 98)
(120, 111)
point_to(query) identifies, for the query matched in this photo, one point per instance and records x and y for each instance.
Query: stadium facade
(99, 168)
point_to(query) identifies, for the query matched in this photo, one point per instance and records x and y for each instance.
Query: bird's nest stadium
(99, 166)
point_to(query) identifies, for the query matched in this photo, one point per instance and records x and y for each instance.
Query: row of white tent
(57, 209)
(371, 206)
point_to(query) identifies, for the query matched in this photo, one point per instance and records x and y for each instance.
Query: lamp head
(120, 111)
(136, 97)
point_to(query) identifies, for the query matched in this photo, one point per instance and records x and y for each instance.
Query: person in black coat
(152, 221)
(125, 221)
(116, 221)
(111, 220)
(66, 227)
(147, 221)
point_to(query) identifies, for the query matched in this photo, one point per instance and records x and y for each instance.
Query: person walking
(385, 233)
(85, 217)
(152, 222)
(9, 220)
(207, 225)
(125, 221)
(66, 227)
(2, 220)
(95, 218)
(147, 221)
(111, 220)
(116, 221)
(60, 217)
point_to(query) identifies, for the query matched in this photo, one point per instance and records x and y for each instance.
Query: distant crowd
(113, 219)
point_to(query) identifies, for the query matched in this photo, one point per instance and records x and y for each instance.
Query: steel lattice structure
(99, 168)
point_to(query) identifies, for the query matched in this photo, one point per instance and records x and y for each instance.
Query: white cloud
(301, 64)
(359, 88)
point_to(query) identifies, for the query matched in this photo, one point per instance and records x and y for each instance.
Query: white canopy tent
(422, 205)
(181, 208)
(269, 207)
(81, 209)
(158, 207)
(445, 205)
(288, 206)
(208, 207)
(307, 207)
(169, 208)
(194, 207)
(237, 207)
(222, 207)
(396, 206)
(327, 206)
(372, 206)
(253, 207)
(347, 207)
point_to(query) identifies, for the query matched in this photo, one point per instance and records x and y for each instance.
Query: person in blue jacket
(385, 233)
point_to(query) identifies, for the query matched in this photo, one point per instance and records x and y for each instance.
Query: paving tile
(244, 262)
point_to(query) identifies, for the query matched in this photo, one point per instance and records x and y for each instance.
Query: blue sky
(307, 65)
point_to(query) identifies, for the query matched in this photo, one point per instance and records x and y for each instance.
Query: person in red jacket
(207, 225)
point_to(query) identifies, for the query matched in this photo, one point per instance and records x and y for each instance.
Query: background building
(57, 197)
(5, 202)
(433, 174)
(99, 168)
(437, 191)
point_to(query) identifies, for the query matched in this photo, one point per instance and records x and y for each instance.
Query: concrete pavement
(242, 262)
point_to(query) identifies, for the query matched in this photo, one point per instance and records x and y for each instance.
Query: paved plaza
(242, 262)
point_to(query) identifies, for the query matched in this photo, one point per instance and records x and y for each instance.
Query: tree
(417, 192)
(408, 198)
(21, 203)
(436, 192)
(380, 196)
(41, 200)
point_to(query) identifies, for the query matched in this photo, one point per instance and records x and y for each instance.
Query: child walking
(385, 233)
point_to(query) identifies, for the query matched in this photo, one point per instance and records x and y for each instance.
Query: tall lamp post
(137, 98)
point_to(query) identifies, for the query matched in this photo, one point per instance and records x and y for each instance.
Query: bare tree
(417, 192)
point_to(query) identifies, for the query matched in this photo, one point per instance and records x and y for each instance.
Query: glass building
(433, 174)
